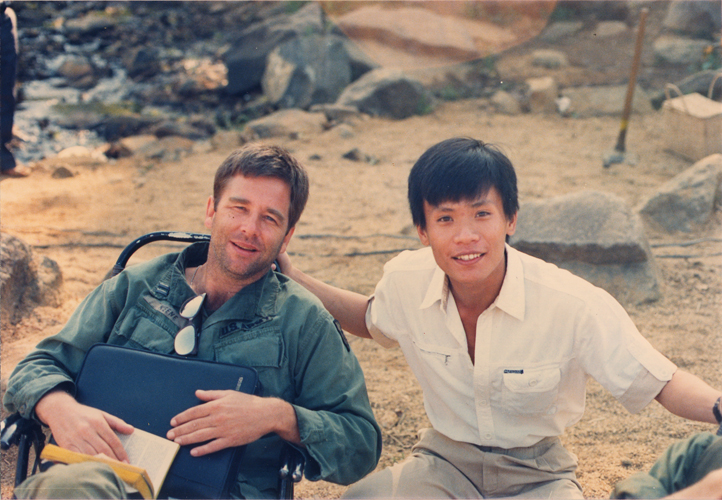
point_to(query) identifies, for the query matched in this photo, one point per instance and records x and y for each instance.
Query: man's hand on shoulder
(232, 418)
(81, 428)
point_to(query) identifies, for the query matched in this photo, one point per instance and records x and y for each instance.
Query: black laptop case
(147, 389)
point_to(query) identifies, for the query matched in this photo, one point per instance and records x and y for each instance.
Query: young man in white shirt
(502, 343)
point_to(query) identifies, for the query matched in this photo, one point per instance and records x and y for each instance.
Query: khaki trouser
(440, 467)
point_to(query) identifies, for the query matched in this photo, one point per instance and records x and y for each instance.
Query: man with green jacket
(314, 394)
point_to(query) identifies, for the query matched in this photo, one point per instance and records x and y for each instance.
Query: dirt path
(357, 219)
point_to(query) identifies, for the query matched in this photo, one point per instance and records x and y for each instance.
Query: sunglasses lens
(185, 341)
(191, 308)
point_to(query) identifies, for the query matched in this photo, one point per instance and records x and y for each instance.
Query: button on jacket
(546, 333)
(273, 325)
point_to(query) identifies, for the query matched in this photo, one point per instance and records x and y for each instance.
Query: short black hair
(461, 168)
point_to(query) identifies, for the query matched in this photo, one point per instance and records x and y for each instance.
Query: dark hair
(266, 161)
(457, 169)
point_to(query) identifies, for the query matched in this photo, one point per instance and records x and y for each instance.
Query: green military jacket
(681, 465)
(273, 325)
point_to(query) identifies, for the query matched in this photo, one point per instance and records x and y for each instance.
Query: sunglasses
(186, 340)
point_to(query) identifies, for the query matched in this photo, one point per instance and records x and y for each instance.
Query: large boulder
(25, 280)
(387, 92)
(694, 18)
(246, 59)
(687, 202)
(307, 70)
(594, 235)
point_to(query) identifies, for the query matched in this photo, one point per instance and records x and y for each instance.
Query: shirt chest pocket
(145, 329)
(530, 391)
(261, 347)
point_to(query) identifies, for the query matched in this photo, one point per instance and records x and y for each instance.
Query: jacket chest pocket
(530, 391)
(260, 347)
(145, 329)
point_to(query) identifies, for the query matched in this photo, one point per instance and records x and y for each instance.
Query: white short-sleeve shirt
(536, 345)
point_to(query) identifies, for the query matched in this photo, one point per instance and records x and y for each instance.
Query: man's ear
(210, 212)
(423, 236)
(287, 239)
(511, 224)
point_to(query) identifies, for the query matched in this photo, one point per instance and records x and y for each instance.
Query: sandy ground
(357, 219)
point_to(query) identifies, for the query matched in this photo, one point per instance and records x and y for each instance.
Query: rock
(551, 59)
(61, 173)
(542, 93)
(291, 123)
(606, 29)
(171, 148)
(79, 72)
(246, 59)
(113, 128)
(182, 129)
(25, 281)
(90, 23)
(135, 143)
(605, 100)
(594, 235)
(561, 29)
(410, 36)
(504, 102)
(687, 202)
(387, 92)
(679, 50)
(142, 62)
(336, 113)
(307, 70)
(694, 18)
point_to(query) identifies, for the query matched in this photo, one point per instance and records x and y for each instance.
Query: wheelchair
(28, 435)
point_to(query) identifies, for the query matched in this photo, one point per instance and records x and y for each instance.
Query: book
(150, 458)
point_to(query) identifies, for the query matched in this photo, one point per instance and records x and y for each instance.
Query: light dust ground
(357, 219)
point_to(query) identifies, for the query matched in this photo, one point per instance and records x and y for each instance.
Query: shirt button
(533, 382)
(488, 436)
(482, 402)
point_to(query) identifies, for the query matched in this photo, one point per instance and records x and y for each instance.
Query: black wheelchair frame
(27, 434)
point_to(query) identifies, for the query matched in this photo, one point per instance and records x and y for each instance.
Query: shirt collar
(255, 300)
(511, 297)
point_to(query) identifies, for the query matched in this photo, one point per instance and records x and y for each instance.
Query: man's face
(248, 226)
(467, 238)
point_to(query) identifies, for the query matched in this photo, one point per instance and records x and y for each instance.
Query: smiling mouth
(244, 248)
(468, 257)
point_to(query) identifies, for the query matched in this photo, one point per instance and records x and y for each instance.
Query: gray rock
(387, 92)
(694, 18)
(687, 202)
(594, 235)
(606, 29)
(142, 62)
(307, 70)
(25, 281)
(561, 29)
(679, 50)
(291, 123)
(547, 58)
(336, 113)
(246, 59)
(605, 100)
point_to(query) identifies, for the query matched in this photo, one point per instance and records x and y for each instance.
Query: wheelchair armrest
(15, 427)
(291, 471)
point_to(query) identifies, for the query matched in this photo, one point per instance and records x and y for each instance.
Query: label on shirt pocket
(530, 391)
